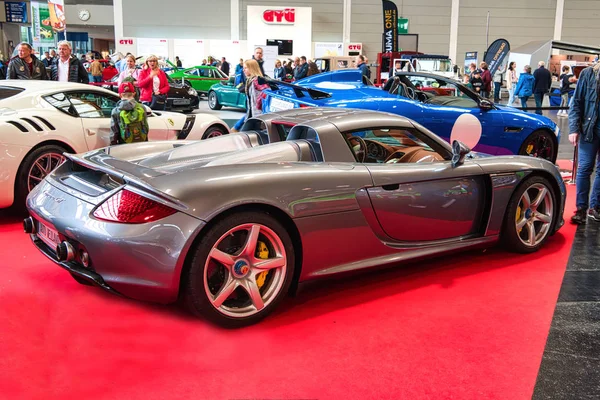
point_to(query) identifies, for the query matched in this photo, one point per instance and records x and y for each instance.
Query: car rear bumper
(140, 261)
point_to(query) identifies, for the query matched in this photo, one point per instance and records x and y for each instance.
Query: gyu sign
(281, 16)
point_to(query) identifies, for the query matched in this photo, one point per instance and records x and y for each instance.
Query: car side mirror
(485, 105)
(459, 151)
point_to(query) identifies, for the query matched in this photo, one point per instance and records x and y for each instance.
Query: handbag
(158, 101)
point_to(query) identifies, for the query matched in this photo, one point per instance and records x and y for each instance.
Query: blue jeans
(524, 101)
(588, 155)
(539, 98)
(497, 86)
(238, 125)
(97, 78)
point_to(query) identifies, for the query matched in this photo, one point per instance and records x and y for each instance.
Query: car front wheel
(241, 269)
(530, 214)
(539, 144)
(213, 101)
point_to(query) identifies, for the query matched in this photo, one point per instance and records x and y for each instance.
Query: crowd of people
(526, 85)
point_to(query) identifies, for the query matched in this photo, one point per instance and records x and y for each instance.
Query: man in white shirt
(67, 68)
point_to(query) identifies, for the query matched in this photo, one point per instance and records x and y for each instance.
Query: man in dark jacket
(25, 65)
(543, 81)
(258, 56)
(584, 128)
(224, 66)
(302, 70)
(66, 67)
(362, 65)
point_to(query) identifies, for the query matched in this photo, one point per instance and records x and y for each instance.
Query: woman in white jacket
(511, 82)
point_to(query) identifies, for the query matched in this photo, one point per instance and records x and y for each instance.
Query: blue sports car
(431, 100)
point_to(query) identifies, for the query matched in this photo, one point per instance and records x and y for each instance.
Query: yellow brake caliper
(262, 252)
(529, 148)
(518, 216)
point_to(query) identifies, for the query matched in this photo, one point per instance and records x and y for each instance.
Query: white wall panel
(517, 21)
(180, 19)
(580, 22)
(430, 19)
(326, 17)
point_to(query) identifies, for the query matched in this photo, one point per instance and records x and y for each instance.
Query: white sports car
(40, 120)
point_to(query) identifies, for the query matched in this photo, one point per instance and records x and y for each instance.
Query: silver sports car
(233, 223)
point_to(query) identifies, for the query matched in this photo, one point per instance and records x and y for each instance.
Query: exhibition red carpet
(469, 326)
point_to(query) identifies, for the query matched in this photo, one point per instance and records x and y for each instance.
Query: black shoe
(594, 213)
(580, 217)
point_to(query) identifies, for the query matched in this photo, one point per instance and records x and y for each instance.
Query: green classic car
(225, 93)
(200, 78)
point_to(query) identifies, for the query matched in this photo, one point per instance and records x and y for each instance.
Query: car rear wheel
(539, 144)
(214, 131)
(213, 101)
(34, 168)
(240, 271)
(530, 214)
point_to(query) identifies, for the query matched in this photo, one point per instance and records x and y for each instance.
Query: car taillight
(131, 208)
(304, 106)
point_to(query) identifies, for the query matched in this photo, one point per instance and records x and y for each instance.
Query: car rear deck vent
(45, 122)
(32, 123)
(18, 126)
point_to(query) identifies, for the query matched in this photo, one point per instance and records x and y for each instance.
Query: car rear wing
(121, 171)
(299, 91)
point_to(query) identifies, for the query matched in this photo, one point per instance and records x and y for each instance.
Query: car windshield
(392, 137)
(436, 65)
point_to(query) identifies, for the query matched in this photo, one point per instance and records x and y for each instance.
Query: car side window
(392, 146)
(61, 102)
(92, 105)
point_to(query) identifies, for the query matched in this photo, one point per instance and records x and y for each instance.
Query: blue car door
(441, 118)
(447, 100)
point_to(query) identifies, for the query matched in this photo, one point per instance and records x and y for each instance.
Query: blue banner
(16, 11)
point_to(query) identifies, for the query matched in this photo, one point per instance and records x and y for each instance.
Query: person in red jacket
(153, 85)
(486, 77)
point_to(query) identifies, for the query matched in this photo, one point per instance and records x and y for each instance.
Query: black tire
(511, 236)
(22, 188)
(543, 145)
(194, 292)
(213, 101)
(214, 131)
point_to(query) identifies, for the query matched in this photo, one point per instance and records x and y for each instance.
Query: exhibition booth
(282, 32)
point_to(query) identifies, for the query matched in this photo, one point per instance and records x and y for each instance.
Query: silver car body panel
(347, 215)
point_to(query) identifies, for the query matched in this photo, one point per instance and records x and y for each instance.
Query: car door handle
(393, 186)
(90, 132)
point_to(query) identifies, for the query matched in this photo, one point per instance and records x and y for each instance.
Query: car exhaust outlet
(84, 257)
(29, 225)
(65, 252)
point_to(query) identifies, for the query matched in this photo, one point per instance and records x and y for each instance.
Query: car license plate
(280, 105)
(48, 236)
(181, 102)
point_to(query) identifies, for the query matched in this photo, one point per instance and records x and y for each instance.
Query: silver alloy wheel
(241, 268)
(212, 100)
(41, 167)
(534, 217)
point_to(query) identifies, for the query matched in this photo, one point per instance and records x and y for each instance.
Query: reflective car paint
(330, 201)
(505, 129)
(228, 95)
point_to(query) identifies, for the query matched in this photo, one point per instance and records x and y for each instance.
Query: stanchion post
(573, 179)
